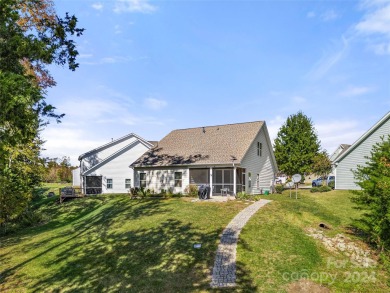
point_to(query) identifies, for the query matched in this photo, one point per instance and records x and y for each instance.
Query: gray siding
(262, 165)
(117, 166)
(356, 156)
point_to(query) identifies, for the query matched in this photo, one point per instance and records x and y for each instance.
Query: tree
(32, 37)
(374, 196)
(296, 145)
(322, 166)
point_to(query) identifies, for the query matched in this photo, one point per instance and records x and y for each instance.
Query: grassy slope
(275, 248)
(112, 243)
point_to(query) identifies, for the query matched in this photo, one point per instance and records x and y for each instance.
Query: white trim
(123, 138)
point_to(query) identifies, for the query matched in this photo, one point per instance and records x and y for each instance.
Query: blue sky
(149, 67)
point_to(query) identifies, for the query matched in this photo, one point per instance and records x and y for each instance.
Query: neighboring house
(237, 157)
(338, 152)
(356, 154)
(76, 177)
(106, 168)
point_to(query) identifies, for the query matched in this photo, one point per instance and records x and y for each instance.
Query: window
(249, 179)
(127, 183)
(142, 180)
(258, 180)
(109, 183)
(178, 177)
(259, 148)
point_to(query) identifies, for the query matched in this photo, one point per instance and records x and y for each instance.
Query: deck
(70, 192)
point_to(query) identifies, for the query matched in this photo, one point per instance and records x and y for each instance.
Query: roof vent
(204, 130)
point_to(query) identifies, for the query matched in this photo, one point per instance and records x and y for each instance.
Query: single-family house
(106, 168)
(341, 149)
(230, 158)
(356, 154)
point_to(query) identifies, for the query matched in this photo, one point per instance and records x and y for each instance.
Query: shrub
(191, 190)
(279, 188)
(242, 195)
(321, 189)
(331, 184)
(374, 196)
(325, 188)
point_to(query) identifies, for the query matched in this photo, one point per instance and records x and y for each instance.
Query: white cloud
(117, 29)
(85, 56)
(94, 118)
(329, 15)
(274, 126)
(375, 25)
(353, 91)
(141, 6)
(155, 104)
(109, 60)
(311, 14)
(298, 100)
(97, 6)
(336, 132)
(326, 63)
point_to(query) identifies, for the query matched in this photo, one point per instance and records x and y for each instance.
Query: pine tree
(374, 196)
(296, 145)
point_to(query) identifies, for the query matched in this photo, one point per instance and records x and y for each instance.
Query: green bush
(242, 195)
(331, 184)
(279, 188)
(321, 189)
(191, 190)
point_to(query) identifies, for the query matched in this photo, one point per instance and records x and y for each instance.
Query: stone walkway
(224, 271)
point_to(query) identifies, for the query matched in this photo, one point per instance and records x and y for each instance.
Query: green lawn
(111, 243)
(275, 249)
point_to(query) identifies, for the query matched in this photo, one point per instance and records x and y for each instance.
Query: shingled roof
(202, 145)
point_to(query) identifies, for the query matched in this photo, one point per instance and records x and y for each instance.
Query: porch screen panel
(93, 184)
(217, 180)
(228, 179)
(199, 176)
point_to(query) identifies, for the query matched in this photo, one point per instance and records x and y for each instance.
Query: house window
(142, 180)
(259, 148)
(249, 179)
(178, 179)
(258, 180)
(109, 183)
(127, 183)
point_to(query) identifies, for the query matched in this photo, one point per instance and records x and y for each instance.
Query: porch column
(211, 182)
(234, 181)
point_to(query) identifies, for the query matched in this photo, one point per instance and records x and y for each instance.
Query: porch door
(93, 184)
(223, 178)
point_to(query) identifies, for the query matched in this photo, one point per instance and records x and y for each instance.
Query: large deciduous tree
(374, 196)
(32, 37)
(296, 145)
(322, 165)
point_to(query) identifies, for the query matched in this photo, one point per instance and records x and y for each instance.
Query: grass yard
(113, 244)
(276, 251)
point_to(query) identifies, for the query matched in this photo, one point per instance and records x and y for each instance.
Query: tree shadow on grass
(159, 259)
(83, 228)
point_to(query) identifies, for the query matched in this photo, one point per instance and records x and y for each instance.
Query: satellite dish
(290, 184)
(296, 178)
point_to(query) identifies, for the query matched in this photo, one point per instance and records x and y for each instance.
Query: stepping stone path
(224, 271)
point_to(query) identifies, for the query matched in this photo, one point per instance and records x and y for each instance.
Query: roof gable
(115, 142)
(363, 137)
(202, 145)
